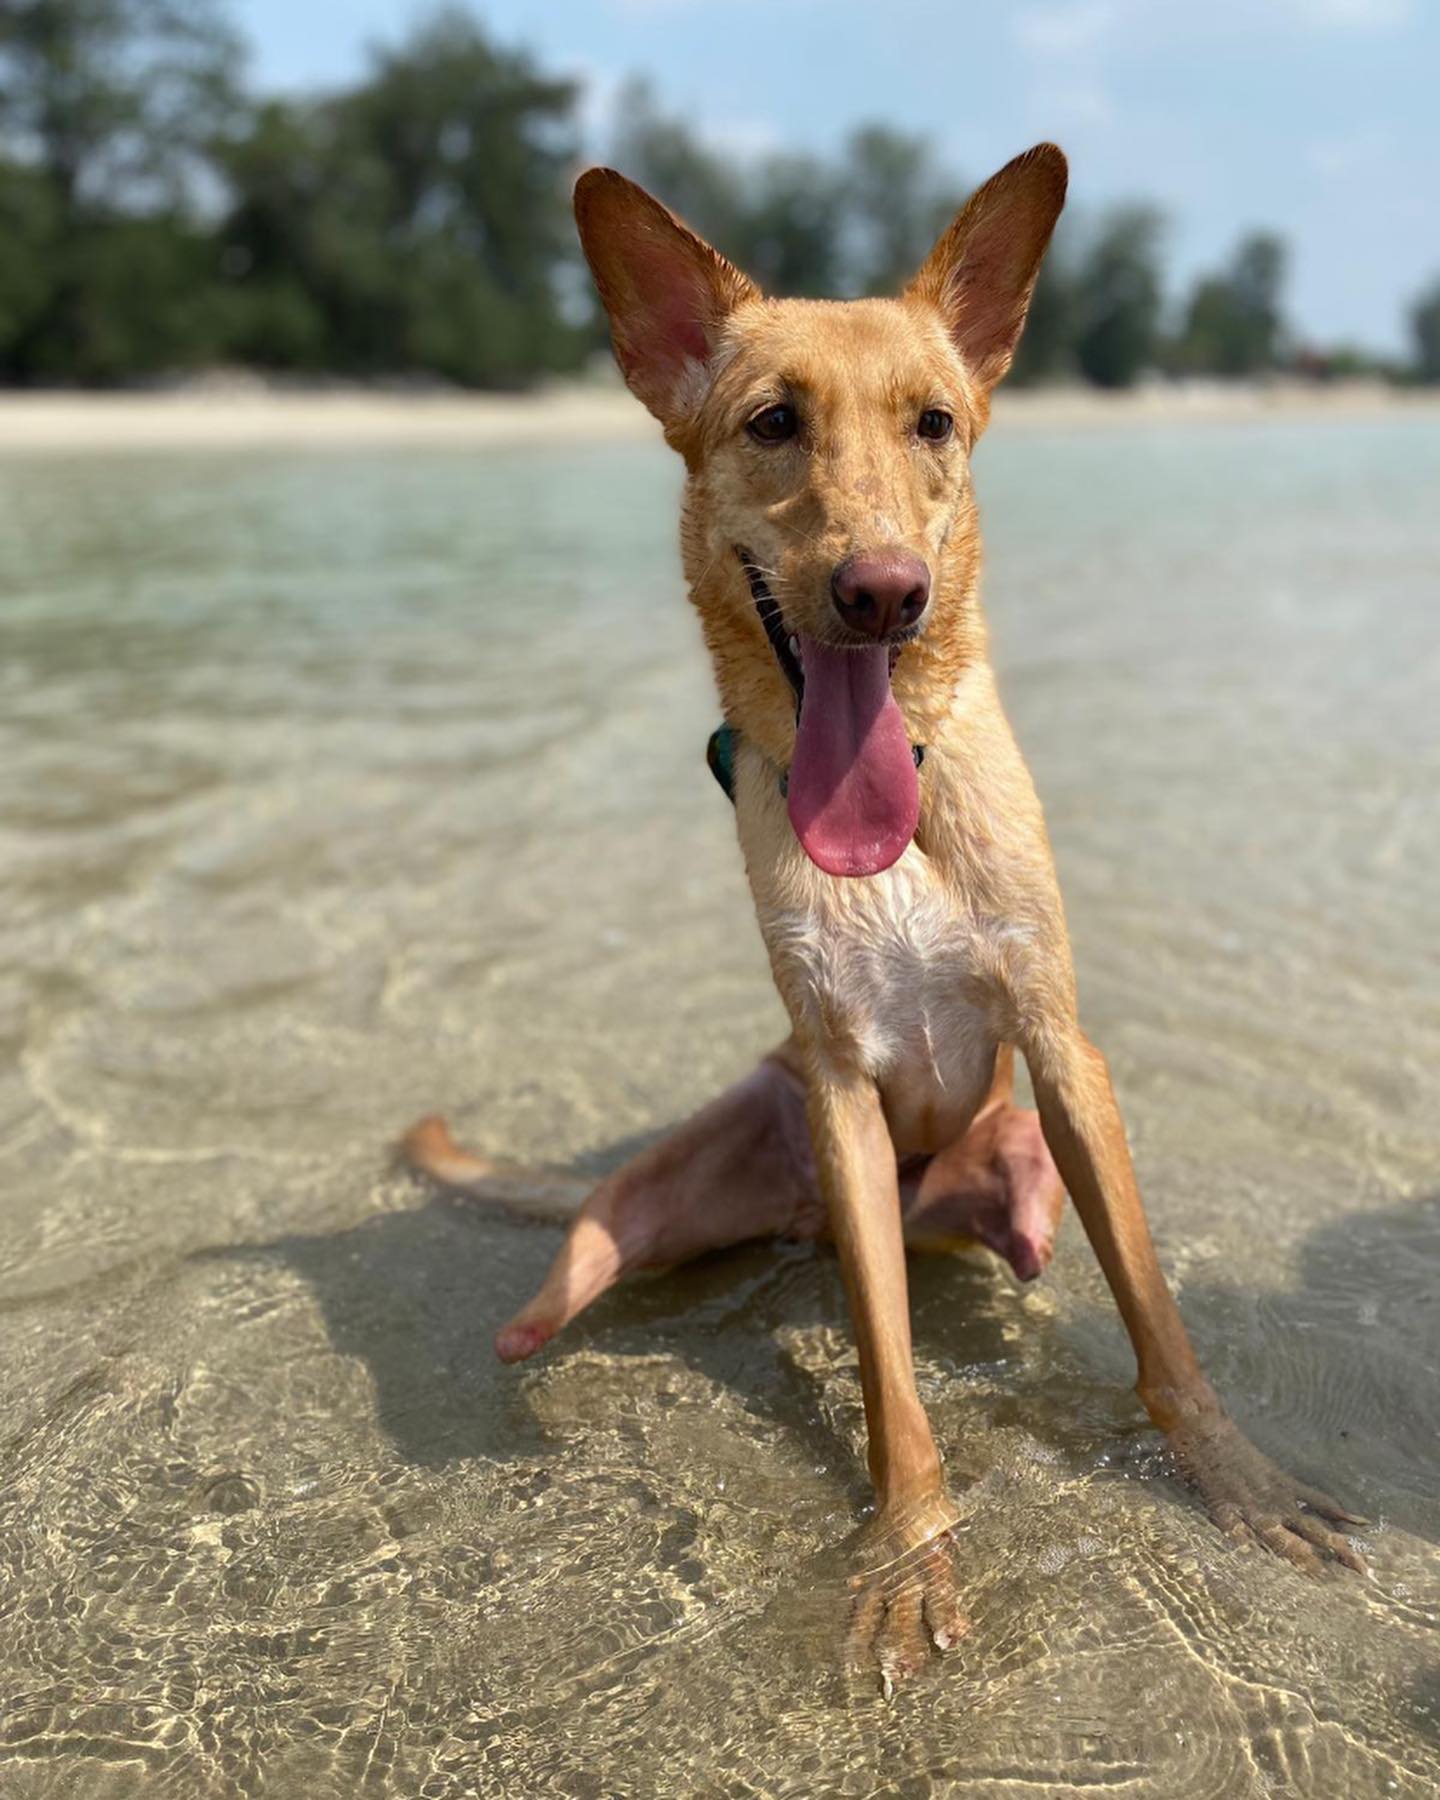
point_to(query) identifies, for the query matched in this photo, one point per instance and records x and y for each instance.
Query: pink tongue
(853, 795)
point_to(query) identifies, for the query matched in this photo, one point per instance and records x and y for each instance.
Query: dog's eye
(935, 425)
(774, 425)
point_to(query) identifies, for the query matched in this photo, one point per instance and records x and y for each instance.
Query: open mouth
(852, 791)
(786, 644)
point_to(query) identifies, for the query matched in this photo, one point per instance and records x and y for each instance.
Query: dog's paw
(1253, 1501)
(905, 1604)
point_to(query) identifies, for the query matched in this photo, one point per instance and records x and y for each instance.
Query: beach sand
(226, 416)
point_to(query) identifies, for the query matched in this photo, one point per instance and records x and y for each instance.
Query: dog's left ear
(982, 272)
(667, 292)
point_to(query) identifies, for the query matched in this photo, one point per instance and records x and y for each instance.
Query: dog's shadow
(417, 1295)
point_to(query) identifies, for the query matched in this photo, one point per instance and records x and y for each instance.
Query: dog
(897, 856)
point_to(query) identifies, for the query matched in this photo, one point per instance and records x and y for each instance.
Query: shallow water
(338, 788)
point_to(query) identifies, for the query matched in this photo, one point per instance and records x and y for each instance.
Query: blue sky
(1318, 117)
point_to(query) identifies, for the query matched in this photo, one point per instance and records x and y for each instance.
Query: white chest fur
(885, 975)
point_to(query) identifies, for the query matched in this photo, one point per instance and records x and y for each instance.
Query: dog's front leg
(1246, 1494)
(906, 1583)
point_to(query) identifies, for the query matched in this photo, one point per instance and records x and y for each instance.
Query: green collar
(720, 754)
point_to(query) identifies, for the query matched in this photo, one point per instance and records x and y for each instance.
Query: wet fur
(907, 990)
(903, 986)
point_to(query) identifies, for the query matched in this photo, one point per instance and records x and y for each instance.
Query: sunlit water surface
(338, 788)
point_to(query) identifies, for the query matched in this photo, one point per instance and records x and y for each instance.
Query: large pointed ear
(667, 292)
(982, 272)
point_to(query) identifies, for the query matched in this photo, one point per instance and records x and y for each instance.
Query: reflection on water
(341, 788)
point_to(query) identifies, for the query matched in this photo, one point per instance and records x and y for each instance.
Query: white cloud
(1060, 29)
(1353, 15)
(744, 140)
(1351, 155)
(1065, 27)
(1073, 104)
(1065, 41)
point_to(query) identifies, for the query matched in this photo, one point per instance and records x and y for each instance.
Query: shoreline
(245, 418)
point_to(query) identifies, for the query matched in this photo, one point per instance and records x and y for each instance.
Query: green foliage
(798, 226)
(1425, 328)
(107, 109)
(114, 100)
(776, 218)
(789, 232)
(29, 246)
(1116, 308)
(1047, 350)
(132, 297)
(1233, 324)
(897, 205)
(416, 222)
(419, 221)
(663, 155)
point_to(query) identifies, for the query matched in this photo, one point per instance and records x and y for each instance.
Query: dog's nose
(880, 593)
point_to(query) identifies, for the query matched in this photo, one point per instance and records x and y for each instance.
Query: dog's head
(829, 519)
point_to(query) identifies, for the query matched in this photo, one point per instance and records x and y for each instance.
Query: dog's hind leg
(997, 1185)
(739, 1169)
(743, 1168)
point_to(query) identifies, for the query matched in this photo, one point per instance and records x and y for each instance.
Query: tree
(1046, 351)
(1233, 325)
(896, 204)
(113, 100)
(664, 156)
(477, 146)
(780, 218)
(29, 237)
(1425, 328)
(302, 247)
(789, 232)
(1117, 298)
(106, 110)
(418, 221)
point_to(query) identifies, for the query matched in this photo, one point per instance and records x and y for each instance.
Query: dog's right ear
(667, 292)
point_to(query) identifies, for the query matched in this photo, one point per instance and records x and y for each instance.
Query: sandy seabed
(341, 787)
(226, 417)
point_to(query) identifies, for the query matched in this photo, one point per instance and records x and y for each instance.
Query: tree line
(155, 218)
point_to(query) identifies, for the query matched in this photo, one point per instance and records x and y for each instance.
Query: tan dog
(896, 853)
